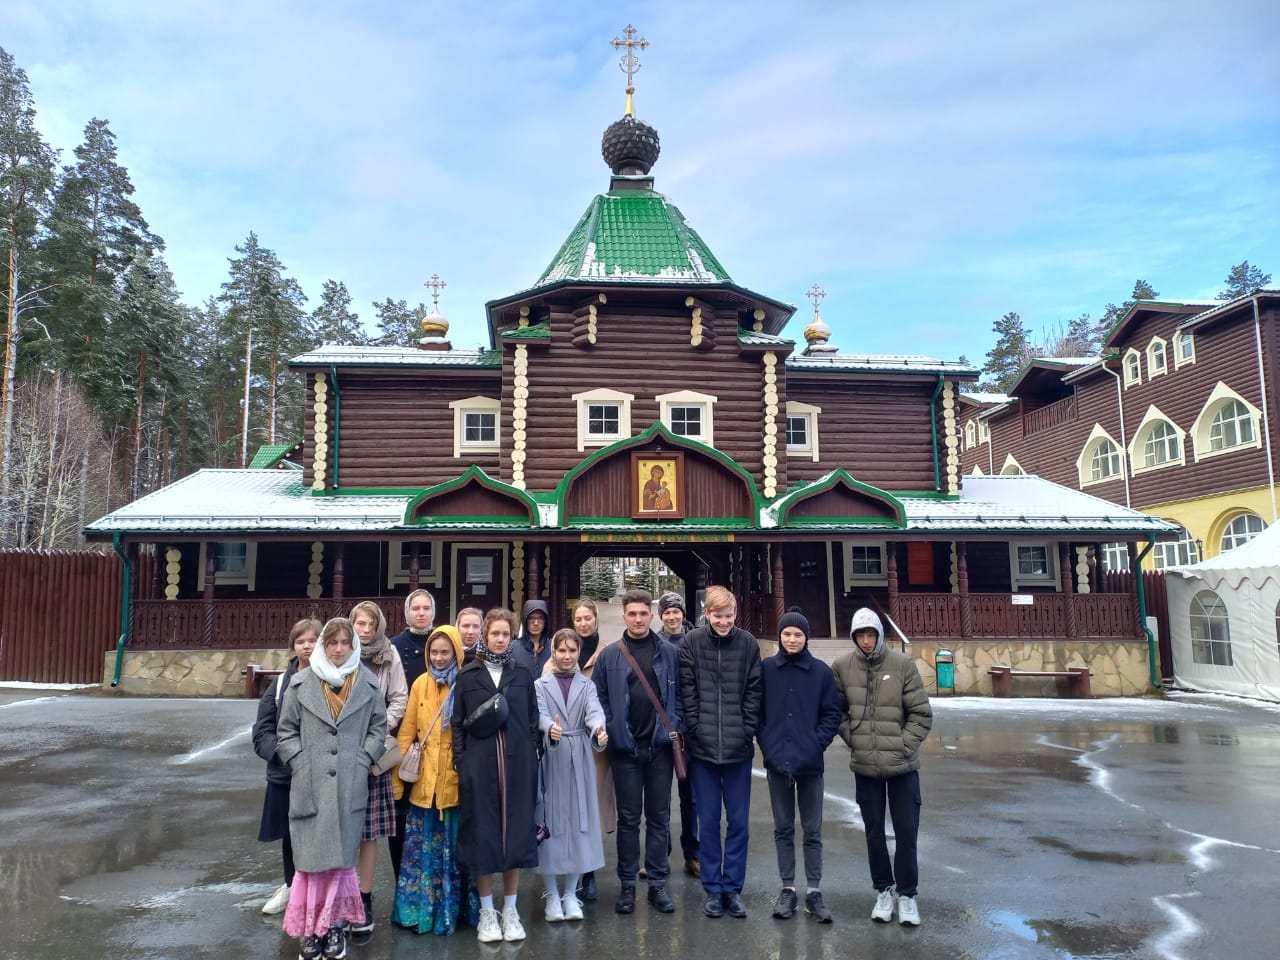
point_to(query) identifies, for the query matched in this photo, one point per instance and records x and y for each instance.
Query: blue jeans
(642, 784)
(903, 795)
(724, 786)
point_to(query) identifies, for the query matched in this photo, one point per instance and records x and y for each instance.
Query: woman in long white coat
(572, 723)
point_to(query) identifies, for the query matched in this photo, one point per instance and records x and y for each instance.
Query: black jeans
(785, 794)
(688, 820)
(396, 844)
(643, 785)
(903, 793)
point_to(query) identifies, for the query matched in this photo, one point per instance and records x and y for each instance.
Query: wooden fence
(1157, 597)
(59, 613)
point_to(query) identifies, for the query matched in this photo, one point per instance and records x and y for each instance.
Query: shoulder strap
(644, 682)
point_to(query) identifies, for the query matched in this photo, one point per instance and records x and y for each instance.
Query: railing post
(962, 581)
(210, 571)
(891, 555)
(532, 586)
(337, 578)
(779, 589)
(1066, 574)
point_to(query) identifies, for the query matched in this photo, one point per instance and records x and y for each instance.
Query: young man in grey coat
(886, 718)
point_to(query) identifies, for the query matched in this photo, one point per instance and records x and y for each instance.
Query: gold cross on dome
(816, 294)
(629, 64)
(435, 285)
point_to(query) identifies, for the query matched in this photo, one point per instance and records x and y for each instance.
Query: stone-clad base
(186, 673)
(1119, 668)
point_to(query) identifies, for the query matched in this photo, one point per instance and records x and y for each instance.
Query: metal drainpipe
(1124, 441)
(933, 423)
(1142, 610)
(1266, 420)
(124, 609)
(337, 421)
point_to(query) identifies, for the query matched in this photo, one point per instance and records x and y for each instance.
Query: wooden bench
(1078, 685)
(256, 678)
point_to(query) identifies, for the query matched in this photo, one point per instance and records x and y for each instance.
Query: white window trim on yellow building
(1138, 443)
(689, 398)
(460, 410)
(1219, 397)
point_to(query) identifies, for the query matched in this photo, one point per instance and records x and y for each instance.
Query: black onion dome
(630, 146)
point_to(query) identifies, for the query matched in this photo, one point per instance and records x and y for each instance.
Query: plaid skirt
(380, 815)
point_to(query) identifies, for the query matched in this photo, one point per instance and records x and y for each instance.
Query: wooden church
(635, 400)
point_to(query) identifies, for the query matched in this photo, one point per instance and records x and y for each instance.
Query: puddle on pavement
(1118, 857)
(1080, 941)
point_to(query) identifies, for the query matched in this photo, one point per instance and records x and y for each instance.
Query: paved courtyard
(1050, 829)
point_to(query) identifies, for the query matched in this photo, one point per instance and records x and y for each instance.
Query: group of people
(532, 746)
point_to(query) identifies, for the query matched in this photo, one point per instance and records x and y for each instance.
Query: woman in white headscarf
(333, 727)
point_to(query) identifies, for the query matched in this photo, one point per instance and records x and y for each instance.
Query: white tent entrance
(1224, 617)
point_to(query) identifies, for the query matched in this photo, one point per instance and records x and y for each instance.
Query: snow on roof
(878, 363)
(332, 354)
(986, 397)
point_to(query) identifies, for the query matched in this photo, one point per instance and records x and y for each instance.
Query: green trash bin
(944, 665)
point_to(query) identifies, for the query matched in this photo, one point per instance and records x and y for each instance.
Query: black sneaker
(309, 948)
(785, 908)
(335, 943)
(626, 900)
(365, 926)
(661, 900)
(815, 907)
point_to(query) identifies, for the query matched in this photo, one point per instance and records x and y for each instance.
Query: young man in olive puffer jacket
(886, 719)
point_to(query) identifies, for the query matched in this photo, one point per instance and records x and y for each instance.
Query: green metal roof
(268, 455)
(538, 331)
(633, 235)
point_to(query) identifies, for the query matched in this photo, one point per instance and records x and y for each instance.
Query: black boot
(626, 900)
(588, 888)
(365, 927)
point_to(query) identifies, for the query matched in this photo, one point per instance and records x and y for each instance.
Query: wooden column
(415, 563)
(962, 581)
(532, 588)
(1066, 576)
(891, 557)
(210, 568)
(779, 588)
(338, 550)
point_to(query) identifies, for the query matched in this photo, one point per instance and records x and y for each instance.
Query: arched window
(1241, 530)
(1232, 426)
(970, 435)
(1157, 359)
(1011, 467)
(1210, 630)
(1160, 445)
(1132, 367)
(1184, 349)
(1176, 553)
(1105, 462)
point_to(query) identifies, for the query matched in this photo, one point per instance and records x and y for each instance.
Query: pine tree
(397, 324)
(333, 321)
(1012, 350)
(26, 178)
(1243, 280)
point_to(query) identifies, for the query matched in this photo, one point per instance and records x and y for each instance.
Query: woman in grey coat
(333, 724)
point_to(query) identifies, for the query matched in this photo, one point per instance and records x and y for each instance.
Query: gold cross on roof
(816, 294)
(435, 285)
(629, 64)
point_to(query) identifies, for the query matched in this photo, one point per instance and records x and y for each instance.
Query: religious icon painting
(658, 486)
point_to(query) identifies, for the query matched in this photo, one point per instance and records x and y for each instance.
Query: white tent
(1243, 658)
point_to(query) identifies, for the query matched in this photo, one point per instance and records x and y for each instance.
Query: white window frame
(1202, 429)
(603, 396)
(1047, 579)
(809, 412)
(854, 580)
(984, 432)
(1233, 533)
(1088, 453)
(689, 398)
(1011, 467)
(1132, 367)
(1158, 347)
(1207, 648)
(1137, 446)
(1115, 557)
(460, 410)
(1181, 340)
(247, 578)
(970, 435)
(1175, 550)
(398, 563)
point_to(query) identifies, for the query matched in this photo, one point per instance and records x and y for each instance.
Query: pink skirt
(319, 900)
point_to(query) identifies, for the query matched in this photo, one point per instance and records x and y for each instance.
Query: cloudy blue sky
(930, 164)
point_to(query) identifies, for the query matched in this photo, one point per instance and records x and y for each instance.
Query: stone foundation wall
(1120, 668)
(187, 673)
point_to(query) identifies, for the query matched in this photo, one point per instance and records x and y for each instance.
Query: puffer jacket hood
(865, 619)
(531, 607)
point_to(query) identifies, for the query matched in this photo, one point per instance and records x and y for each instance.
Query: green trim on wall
(474, 473)
(783, 505)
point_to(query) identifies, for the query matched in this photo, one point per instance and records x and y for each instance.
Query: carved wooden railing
(1110, 616)
(1054, 415)
(239, 624)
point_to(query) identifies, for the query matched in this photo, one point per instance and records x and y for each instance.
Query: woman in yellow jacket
(431, 893)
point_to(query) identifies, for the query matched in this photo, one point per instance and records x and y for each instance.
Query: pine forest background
(113, 386)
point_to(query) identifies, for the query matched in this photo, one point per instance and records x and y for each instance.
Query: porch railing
(1097, 616)
(239, 624)
(1053, 415)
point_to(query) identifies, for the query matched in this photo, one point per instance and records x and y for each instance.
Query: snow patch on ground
(24, 685)
(203, 751)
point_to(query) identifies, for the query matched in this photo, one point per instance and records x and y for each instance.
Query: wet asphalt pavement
(1050, 829)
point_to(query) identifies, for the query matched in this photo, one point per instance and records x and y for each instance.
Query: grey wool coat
(570, 807)
(330, 766)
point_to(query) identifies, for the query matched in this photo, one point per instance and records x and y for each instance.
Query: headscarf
(866, 619)
(484, 653)
(379, 650)
(445, 676)
(335, 675)
(408, 625)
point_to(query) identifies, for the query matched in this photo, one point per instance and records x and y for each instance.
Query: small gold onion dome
(817, 331)
(434, 325)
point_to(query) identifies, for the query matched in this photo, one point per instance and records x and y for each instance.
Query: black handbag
(488, 718)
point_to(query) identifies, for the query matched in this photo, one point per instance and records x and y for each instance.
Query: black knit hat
(794, 618)
(668, 600)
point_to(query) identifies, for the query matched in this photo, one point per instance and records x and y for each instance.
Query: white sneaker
(512, 928)
(279, 900)
(571, 906)
(908, 912)
(489, 930)
(883, 910)
(553, 910)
